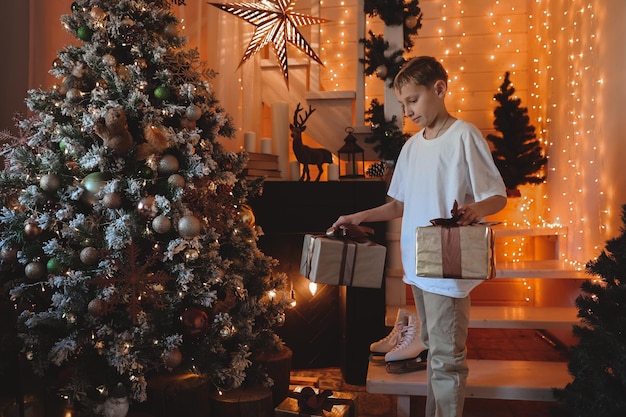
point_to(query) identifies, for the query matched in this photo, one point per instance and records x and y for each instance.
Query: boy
(447, 160)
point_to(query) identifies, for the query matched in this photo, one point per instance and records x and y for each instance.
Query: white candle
(266, 145)
(249, 141)
(333, 172)
(280, 134)
(294, 171)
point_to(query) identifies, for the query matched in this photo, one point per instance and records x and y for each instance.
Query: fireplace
(334, 327)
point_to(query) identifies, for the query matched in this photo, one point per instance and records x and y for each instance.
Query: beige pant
(444, 321)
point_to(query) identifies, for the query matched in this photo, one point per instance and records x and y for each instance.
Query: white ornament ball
(112, 200)
(193, 112)
(89, 255)
(168, 164)
(410, 22)
(35, 270)
(176, 180)
(50, 182)
(161, 224)
(189, 226)
(382, 71)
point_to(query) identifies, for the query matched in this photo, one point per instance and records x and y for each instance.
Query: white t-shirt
(428, 177)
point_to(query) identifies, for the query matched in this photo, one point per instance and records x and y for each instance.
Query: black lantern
(352, 156)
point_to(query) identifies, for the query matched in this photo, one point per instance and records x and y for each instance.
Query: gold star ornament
(275, 23)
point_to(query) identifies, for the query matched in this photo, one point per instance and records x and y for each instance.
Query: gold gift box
(327, 260)
(460, 252)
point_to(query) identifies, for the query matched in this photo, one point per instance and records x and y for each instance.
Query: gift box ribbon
(352, 236)
(310, 402)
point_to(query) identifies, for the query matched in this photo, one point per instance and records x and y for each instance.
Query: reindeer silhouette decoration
(305, 154)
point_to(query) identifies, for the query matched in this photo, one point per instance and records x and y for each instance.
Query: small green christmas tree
(598, 362)
(517, 153)
(126, 243)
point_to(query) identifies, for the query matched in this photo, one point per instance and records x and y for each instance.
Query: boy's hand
(468, 215)
(345, 219)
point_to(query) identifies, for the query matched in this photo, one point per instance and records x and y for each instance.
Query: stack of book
(262, 165)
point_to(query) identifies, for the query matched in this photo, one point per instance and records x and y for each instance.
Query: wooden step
(550, 268)
(494, 379)
(509, 317)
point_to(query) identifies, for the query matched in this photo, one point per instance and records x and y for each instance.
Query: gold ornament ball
(191, 255)
(168, 164)
(161, 224)
(247, 215)
(96, 307)
(112, 200)
(123, 72)
(225, 331)
(147, 207)
(109, 60)
(141, 63)
(97, 13)
(171, 29)
(189, 226)
(35, 270)
(50, 182)
(74, 94)
(410, 22)
(31, 229)
(89, 255)
(176, 180)
(173, 358)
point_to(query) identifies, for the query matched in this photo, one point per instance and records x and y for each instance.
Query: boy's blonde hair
(422, 70)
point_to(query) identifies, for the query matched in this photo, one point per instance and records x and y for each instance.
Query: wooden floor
(505, 344)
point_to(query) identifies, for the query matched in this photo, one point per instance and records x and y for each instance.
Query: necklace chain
(440, 127)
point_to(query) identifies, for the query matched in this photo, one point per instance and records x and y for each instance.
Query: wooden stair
(495, 379)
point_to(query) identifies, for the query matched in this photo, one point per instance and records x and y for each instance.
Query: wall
(567, 59)
(577, 71)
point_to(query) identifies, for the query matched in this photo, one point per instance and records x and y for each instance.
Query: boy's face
(422, 104)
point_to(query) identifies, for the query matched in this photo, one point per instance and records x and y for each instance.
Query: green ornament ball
(62, 146)
(145, 172)
(162, 92)
(53, 266)
(75, 7)
(84, 33)
(95, 181)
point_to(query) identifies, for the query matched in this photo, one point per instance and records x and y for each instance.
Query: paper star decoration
(276, 24)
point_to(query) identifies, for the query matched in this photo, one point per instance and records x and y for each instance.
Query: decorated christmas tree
(516, 152)
(598, 361)
(127, 245)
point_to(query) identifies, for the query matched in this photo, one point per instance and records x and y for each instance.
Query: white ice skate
(379, 349)
(410, 353)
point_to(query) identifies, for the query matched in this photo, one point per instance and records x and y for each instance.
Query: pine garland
(385, 133)
(386, 66)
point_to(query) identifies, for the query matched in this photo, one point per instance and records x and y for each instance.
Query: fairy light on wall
(338, 48)
(565, 82)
